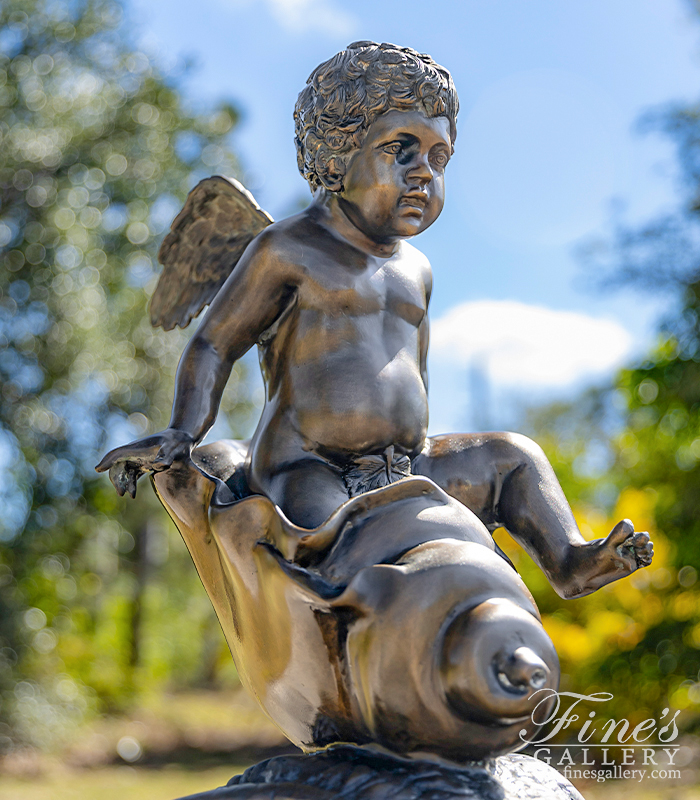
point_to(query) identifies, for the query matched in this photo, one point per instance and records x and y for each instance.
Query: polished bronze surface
(394, 622)
(348, 556)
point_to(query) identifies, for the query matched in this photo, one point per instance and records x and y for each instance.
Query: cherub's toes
(641, 539)
(640, 547)
(642, 544)
(644, 552)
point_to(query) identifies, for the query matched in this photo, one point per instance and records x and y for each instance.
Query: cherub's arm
(254, 295)
(424, 330)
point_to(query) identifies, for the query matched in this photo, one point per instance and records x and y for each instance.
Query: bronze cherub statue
(347, 554)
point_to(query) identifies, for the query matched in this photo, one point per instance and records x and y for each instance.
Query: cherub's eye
(394, 148)
(440, 160)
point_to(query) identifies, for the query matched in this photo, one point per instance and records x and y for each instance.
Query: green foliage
(637, 638)
(660, 449)
(98, 598)
(652, 424)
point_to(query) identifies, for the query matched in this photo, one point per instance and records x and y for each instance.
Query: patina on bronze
(347, 554)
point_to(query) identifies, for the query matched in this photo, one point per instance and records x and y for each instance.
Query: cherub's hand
(155, 453)
(602, 561)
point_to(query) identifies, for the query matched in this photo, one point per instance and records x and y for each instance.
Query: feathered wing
(206, 240)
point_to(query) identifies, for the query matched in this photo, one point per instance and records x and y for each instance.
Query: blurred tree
(609, 641)
(651, 444)
(96, 155)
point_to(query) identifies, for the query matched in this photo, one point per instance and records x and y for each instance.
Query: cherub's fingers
(163, 460)
(107, 462)
(621, 532)
(138, 452)
(169, 452)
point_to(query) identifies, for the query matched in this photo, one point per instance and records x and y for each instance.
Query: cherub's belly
(359, 408)
(340, 407)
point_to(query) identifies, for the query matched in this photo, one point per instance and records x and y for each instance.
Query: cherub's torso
(343, 364)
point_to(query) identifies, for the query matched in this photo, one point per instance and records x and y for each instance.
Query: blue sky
(550, 93)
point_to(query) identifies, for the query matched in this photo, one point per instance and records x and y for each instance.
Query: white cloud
(300, 16)
(529, 347)
(305, 15)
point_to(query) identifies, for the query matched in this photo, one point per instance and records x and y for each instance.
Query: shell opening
(521, 672)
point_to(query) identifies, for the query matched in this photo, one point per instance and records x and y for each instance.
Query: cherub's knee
(522, 449)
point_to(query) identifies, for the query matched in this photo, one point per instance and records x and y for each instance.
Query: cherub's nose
(420, 171)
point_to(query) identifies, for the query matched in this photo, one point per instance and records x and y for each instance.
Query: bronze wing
(206, 240)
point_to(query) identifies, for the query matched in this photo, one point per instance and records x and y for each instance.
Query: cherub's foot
(602, 561)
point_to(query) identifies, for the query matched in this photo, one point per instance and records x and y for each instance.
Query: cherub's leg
(308, 492)
(506, 480)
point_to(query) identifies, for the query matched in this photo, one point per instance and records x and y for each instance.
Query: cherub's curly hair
(345, 94)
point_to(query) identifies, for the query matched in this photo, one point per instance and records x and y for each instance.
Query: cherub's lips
(418, 200)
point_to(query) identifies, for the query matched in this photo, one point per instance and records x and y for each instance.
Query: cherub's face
(394, 186)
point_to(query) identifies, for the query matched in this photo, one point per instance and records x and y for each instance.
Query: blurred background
(567, 295)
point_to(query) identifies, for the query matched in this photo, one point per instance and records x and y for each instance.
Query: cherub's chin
(412, 218)
(417, 212)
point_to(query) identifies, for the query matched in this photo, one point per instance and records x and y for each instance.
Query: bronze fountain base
(346, 772)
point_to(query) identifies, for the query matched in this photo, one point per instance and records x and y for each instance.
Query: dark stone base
(345, 772)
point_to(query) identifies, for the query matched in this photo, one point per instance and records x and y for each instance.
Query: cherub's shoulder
(414, 255)
(273, 240)
(418, 261)
(284, 240)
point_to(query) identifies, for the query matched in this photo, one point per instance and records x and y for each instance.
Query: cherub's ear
(330, 170)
